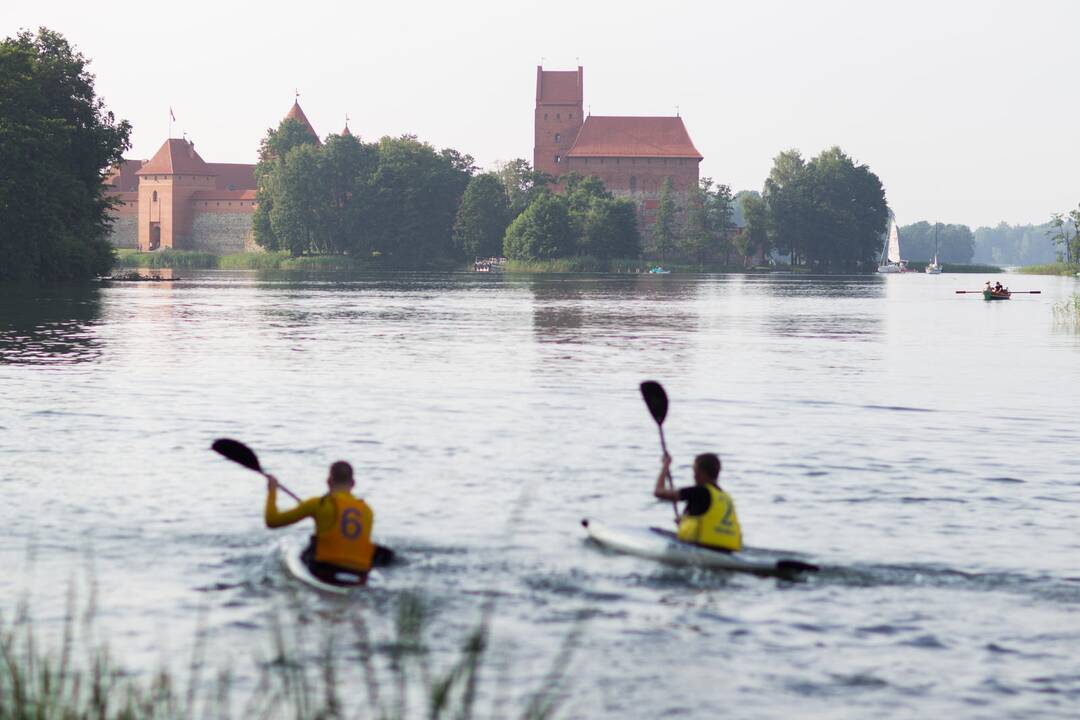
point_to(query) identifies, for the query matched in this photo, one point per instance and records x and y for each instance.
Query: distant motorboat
(659, 271)
(890, 261)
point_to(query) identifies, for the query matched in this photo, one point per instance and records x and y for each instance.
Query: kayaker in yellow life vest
(343, 523)
(709, 518)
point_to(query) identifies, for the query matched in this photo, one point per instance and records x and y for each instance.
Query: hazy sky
(968, 111)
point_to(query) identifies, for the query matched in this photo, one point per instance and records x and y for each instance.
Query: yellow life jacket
(718, 527)
(346, 542)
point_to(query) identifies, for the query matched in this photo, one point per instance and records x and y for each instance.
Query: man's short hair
(708, 463)
(341, 472)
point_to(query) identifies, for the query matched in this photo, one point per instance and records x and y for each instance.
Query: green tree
(720, 213)
(781, 195)
(952, 243)
(542, 232)
(523, 184)
(415, 192)
(610, 230)
(273, 149)
(482, 218)
(696, 239)
(755, 235)
(829, 212)
(1065, 233)
(57, 144)
(664, 226)
(299, 208)
(345, 168)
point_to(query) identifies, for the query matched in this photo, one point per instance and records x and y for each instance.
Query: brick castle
(632, 155)
(178, 200)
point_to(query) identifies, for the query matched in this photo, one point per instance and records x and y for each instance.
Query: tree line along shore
(399, 202)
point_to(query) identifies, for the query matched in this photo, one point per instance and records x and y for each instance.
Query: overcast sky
(968, 111)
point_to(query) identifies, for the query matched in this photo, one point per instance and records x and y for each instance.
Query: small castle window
(558, 116)
(545, 116)
(633, 183)
(557, 136)
(570, 115)
(556, 159)
(154, 197)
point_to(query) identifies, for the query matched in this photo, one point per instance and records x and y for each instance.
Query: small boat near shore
(659, 271)
(135, 276)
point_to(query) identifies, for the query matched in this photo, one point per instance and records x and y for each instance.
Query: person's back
(343, 525)
(709, 518)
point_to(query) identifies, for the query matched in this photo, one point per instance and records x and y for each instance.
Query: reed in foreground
(389, 678)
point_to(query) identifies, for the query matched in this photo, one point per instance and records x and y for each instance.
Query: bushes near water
(191, 260)
(1067, 312)
(393, 677)
(1054, 268)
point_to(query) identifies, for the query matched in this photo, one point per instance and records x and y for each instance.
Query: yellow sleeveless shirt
(718, 527)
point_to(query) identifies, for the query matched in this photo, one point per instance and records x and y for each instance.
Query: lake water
(918, 444)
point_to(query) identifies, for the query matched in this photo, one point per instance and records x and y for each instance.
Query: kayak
(663, 545)
(291, 552)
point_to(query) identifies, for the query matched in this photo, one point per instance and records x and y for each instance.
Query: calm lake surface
(920, 445)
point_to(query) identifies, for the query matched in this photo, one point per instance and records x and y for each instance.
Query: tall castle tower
(167, 184)
(558, 119)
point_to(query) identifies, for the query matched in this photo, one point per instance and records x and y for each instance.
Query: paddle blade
(655, 399)
(238, 452)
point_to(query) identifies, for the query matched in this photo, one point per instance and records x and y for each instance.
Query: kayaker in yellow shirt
(343, 523)
(709, 518)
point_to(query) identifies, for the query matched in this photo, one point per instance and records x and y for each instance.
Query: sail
(894, 243)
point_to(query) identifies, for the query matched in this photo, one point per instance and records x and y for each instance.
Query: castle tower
(166, 185)
(558, 119)
(297, 114)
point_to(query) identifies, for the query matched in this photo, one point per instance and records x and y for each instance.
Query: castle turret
(166, 185)
(558, 118)
(296, 113)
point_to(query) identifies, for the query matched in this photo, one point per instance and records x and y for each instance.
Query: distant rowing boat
(994, 295)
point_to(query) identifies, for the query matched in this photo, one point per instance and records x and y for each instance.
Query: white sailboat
(934, 268)
(890, 261)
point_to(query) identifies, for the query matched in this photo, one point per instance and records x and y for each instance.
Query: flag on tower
(171, 115)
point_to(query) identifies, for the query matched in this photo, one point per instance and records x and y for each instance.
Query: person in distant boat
(341, 548)
(709, 518)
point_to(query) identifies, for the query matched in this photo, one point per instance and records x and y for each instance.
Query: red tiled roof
(122, 177)
(346, 132)
(559, 87)
(296, 113)
(175, 157)
(223, 195)
(233, 176)
(607, 136)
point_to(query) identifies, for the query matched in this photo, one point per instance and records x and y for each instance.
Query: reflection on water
(920, 446)
(49, 325)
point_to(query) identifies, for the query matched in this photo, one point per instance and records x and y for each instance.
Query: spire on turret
(346, 132)
(296, 113)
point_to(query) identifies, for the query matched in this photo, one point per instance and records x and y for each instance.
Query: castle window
(558, 116)
(556, 159)
(557, 136)
(154, 197)
(570, 115)
(545, 116)
(633, 183)
(601, 161)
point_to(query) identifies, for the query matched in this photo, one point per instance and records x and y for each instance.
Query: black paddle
(657, 402)
(241, 454)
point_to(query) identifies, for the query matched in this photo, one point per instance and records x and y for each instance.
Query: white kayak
(291, 552)
(662, 545)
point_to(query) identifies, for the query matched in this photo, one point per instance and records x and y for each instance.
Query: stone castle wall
(125, 231)
(222, 233)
